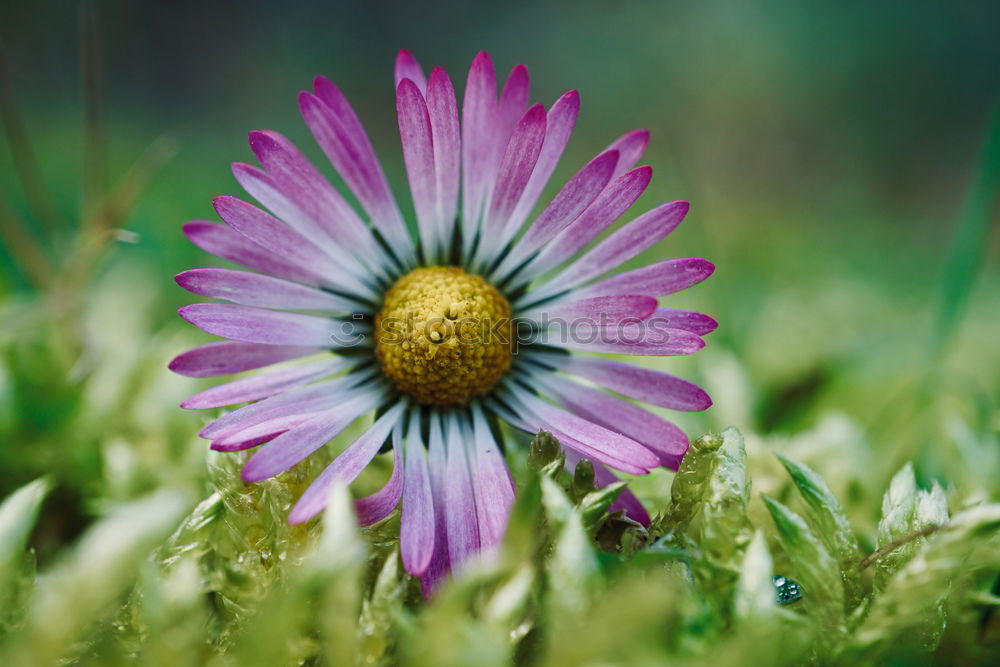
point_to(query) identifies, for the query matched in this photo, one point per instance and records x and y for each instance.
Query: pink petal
(264, 384)
(418, 154)
(698, 323)
(558, 127)
(515, 169)
(227, 357)
(346, 467)
(657, 280)
(440, 564)
(603, 310)
(253, 289)
(663, 438)
(572, 200)
(609, 205)
(254, 325)
(635, 338)
(416, 531)
(407, 67)
(644, 232)
(631, 147)
(461, 522)
(479, 152)
(642, 384)
(443, 111)
(291, 447)
(491, 481)
(612, 448)
(227, 243)
(311, 192)
(372, 509)
(277, 237)
(341, 136)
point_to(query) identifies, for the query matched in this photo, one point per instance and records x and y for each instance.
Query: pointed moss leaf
(340, 544)
(754, 598)
(594, 506)
(898, 505)
(583, 478)
(829, 521)
(558, 506)
(378, 611)
(524, 523)
(931, 509)
(509, 601)
(726, 530)
(17, 517)
(814, 568)
(573, 569)
(946, 564)
(905, 512)
(689, 483)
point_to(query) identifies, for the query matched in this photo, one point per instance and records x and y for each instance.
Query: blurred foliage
(235, 585)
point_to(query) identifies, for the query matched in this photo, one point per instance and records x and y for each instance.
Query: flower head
(442, 333)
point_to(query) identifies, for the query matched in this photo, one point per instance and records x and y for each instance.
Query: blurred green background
(833, 154)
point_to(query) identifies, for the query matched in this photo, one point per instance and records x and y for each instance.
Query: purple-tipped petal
(572, 200)
(323, 208)
(698, 323)
(602, 310)
(372, 509)
(230, 446)
(277, 237)
(514, 97)
(312, 398)
(227, 357)
(614, 448)
(558, 127)
(418, 154)
(254, 325)
(479, 152)
(644, 232)
(346, 467)
(631, 147)
(437, 468)
(341, 136)
(660, 436)
(407, 67)
(635, 338)
(227, 243)
(529, 422)
(442, 109)
(292, 447)
(515, 169)
(642, 384)
(461, 522)
(491, 481)
(253, 289)
(416, 530)
(264, 385)
(616, 198)
(265, 189)
(657, 280)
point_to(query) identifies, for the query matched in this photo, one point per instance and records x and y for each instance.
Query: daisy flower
(435, 337)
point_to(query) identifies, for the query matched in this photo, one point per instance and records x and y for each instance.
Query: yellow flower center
(443, 335)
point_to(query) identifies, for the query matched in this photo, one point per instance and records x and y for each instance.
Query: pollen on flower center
(443, 335)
